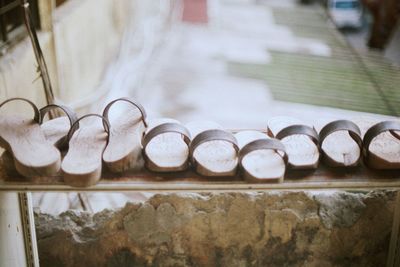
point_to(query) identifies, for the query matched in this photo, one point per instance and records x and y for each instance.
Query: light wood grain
(33, 154)
(124, 150)
(302, 152)
(359, 178)
(215, 158)
(261, 165)
(167, 151)
(341, 149)
(54, 131)
(82, 165)
(384, 148)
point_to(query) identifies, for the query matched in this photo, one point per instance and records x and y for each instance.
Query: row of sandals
(34, 147)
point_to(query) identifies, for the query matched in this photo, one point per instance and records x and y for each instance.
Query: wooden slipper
(301, 141)
(166, 146)
(341, 143)
(82, 164)
(24, 139)
(124, 149)
(382, 145)
(55, 131)
(261, 159)
(213, 152)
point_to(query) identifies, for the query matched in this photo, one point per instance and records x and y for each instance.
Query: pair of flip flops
(170, 146)
(116, 143)
(34, 146)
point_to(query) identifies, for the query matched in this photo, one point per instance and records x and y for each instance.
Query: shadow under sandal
(55, 131)
(261, 159)
(341, 143)
(124, 150)
(82, 164)
(301, 141)
(33, 154)
(214, 153)
(382, 146)
(166, 148)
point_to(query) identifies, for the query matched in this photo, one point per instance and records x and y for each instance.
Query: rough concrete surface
(325, 228)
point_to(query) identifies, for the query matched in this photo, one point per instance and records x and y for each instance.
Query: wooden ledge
(359, 178)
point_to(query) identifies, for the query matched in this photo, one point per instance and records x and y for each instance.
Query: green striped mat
(345, 80)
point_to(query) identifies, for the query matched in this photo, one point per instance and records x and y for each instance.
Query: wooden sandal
(166, 147)
(382, 146)
(124, 150)
(213, 152)
(341, 143)
(55, 131)
(261, 159)
(24, 139)
(301, 141)
(82, 164)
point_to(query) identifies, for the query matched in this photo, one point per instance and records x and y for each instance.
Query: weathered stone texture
(231, 229)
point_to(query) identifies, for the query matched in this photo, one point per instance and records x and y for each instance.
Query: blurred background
(236, 62)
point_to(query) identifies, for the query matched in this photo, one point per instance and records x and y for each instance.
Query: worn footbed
(54, 130)
(124, 150)
(33, 154)
(167, 150)
(262, 164)
(341, 148)
(384, 148)
(216, 156)
(301, 150)
(82, 164)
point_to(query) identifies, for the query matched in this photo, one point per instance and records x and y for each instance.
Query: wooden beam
(46, 8)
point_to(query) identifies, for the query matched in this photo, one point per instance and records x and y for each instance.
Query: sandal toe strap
(36, 117)
(68, 111)
(375, 130)
(341, 125)
(129, 100)
(301, 130)
(169, 127)
(264, 144)
(75, 125)
(211, 135)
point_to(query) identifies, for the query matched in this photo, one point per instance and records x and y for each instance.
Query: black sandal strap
(36, 117)
(261, 144)
(129, 100)
(169, 127)
(299, 129)
(379, 128)
(340, 125)
(74, 126)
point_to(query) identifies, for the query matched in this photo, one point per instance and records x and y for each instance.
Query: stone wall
(328, 228)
